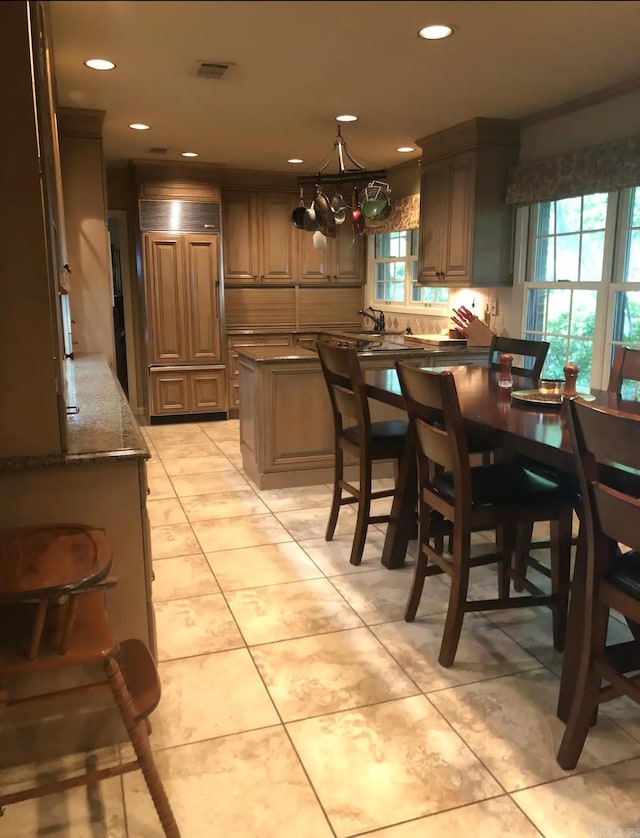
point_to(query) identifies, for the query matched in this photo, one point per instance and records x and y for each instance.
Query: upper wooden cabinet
(259, 239)
(343, 261)
(182, 298)
(466, 228)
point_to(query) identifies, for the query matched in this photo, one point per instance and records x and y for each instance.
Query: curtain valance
(602, 168)
(405, 215)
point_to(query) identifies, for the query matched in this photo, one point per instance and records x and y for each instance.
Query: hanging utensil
(356, 214)
(297, 216)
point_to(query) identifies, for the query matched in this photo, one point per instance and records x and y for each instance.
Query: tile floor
(297, 703)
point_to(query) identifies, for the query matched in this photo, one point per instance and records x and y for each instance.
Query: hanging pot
(374, 199)
(327, 224)
(297, 216)
(356, 214)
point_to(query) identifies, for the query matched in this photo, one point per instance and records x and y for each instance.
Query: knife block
(479, 334)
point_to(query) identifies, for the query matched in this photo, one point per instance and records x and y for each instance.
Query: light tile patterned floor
(297, 703)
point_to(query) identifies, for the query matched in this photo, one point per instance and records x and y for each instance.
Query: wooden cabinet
(260, 244)
(203, 292)
(236, 341)
(179, 390)
(342, 262)
(466, 228)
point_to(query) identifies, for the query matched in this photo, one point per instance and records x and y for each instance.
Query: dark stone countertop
(103, 429)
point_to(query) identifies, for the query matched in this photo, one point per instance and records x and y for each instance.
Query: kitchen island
(100, 480)
(286, 424)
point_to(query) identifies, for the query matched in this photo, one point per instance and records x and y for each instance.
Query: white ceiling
(299, 64)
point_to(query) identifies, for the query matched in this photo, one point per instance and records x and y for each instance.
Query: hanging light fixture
(348, 169)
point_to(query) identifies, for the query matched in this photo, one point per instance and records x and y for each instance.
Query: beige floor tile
(182, 577)
(511, 724)
(381, 596)
(625, 713)
(332, 557)
(304, 497)
(197, 465)
(231, 450)
(155, 468)
(223, 505)
(79, 813)
(230, 533)
(484, 651)
(208, 696)
(173, 540)
(20, 777)
(268, 564)
(495, 818)
(195, 626)
(160, 487)
(315, 675)
(179, 450)
(223, 431)
(176, 435)
(296, 609)
(379, 765)
(250, 784)
(165, 511)
(598, 803)
(312, 523)
(204, 484)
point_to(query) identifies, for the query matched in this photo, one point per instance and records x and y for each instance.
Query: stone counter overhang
(102, 429)
(282, 354)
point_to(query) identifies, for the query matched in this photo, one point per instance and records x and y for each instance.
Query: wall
(28, 340)
(91, 295)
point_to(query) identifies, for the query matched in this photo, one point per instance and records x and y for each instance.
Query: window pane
(556, 357)
(391, 245)
(632, 268)
(626, 318)
(545, 260)
(568, 215)
(580, 353)
(567, 258)
(594, 211)
(592, 256)
(558, 307)
(546, 219)
(635, 207)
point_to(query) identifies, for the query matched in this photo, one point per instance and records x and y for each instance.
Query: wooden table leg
(575, 629)
(401, 527)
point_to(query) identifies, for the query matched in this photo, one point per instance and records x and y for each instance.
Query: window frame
(407, 306)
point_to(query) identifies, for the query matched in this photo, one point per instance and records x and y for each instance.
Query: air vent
(211, 69)
(157, 150)
(179, 216)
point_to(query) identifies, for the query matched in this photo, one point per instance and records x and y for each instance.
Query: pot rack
(344, 174)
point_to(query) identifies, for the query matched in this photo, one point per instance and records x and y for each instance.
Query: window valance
(602, 168)
(405, 215)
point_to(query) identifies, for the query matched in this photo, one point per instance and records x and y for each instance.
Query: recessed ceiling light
(436, 32)
(405, 149)
(346, 117)
(295, 160)
(189, 153)
(139, 126)
(99, 64)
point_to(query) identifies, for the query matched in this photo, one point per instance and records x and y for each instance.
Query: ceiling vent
(211, 69)
(157, 150)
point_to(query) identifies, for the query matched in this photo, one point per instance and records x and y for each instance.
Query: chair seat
(625, 573)
(504, 484)
(389, 433)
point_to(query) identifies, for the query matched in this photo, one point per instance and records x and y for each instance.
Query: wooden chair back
(625, 367)
(432, 405)
(533, 350)
(345, 384)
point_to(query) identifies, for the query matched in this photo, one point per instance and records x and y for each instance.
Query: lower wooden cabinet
(236, 341)
(180, 390)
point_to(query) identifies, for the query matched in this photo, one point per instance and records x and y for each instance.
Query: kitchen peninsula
(286, 424)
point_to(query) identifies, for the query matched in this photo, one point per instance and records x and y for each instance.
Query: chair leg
(139, 739)
(457, 598)
(586, 691)
(505, 538)
(524, 538)
(560, 572)
(364, 511)
(338, 473)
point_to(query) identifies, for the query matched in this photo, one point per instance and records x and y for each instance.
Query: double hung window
(394, 266)
(582, 280)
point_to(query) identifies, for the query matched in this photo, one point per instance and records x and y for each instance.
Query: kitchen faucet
(377, 319)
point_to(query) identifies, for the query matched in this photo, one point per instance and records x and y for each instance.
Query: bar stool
(53, 617)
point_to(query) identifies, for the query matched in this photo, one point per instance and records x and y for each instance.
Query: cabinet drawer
(190, 389)
(207, 391)
(234, 392)
(170, 393)
(258, 340)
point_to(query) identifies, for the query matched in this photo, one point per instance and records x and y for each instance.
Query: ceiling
(299, 64)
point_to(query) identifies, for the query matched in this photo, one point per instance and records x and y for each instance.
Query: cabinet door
(170, 393)
(203, 295)
(240, 237)
(456, 260)
(208, 391)
(278, 242)
(432, 221)
(166, 298)
(348, 252)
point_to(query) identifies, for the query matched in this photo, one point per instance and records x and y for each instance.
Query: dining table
(534, 429)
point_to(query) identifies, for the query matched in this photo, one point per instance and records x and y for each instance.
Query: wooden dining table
(517, 428)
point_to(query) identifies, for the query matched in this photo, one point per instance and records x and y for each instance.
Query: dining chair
(625, 367)
(53, 618)
(356, 434)
(606, 446)
(499, 497)
(532, 352)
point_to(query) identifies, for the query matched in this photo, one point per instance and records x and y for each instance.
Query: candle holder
(570, 377)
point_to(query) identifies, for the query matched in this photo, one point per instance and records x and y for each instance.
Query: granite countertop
(104, 428)
(390, 350)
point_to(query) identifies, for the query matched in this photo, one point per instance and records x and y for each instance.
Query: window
(581, 255)
(395, 269)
